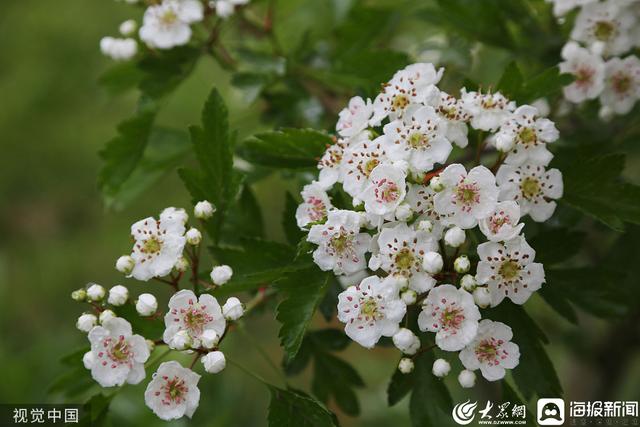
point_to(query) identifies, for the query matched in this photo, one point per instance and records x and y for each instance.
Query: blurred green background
(56, 234)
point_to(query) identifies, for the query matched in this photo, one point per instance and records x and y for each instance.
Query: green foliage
(430, 404)
(149, 327)
(549, 82)
(509, 394)
(293, 408)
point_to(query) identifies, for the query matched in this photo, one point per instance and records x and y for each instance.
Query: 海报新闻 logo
(464, 413)
(550, 412)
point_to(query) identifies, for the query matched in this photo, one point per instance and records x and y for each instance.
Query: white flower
(455, 117)
(182, 264)
(461, 264)
(468, 282)
(125, 264)
(622, 84)
(181, 340)
(330, 164)
(561, 7)
(371, 310)
(359, 161)
(454, 237)
(119, 356)
(532, 187)
(88, 359)
(488, 111)
(232, 309)
(403, 212)
(118, 295)
(466, 197)
(588, 70)
(525, 136)
(385, 191)
(314, 206)
(158, 244)
(95, 292)
(406, 87)
(353, 278)
(467, 379)
(502, 224)
(128, 27)
(214, 362)
(118, 49)
(355, 117)
(193, 315)
(419, 137)
(226, 8)
(402, 251)
(406, 365)
(173, 392)
(482, 297)
(341, 246)
(221, 274)
(605, 23)
(146, 305)
(166, 25)
(491, 351)
(86, 322)
(174, 214)
(106, 315)
(432, 262)
(421, 199)
(452, 315)
(409, 296)
(441, 368)
(193, 236)
(209, 338)
(204, 210)
(406, 341)
(509, 271)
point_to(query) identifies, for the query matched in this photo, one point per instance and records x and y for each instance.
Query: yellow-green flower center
(621, 83)
(340, 243)
(417, 140)
(404, 259)
(603, 30)
(120, 351)
(528, 136)
(370, 166)
(400, 102)
(169, 17)
(509, 269)
(369, 308)
(530, 187)
(152, 245)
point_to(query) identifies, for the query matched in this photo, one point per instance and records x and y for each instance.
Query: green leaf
(304, 290)
(399, 386)
(511, 82)
(148, 327)
(122, 154)
(246, 221)
(96, 410)
(543, 85)
(430, 404)
(293, 408)
(288, 148)
(535, 374)
(554, 245)
(512, 396)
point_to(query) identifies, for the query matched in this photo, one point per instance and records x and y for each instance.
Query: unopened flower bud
(232, 309)
(150, 345)
(204, 210)
(86, 322)
(146, 305)
(409, 296)
(214, 362)
(468, 282)
(209, 338)
(436, 184)
(125, 264)
(441, 368)
(128, 27)
(403, 212)
(221, 274)
(462, 264)
(118, 295)
(406, 341)
(504, 143)
(374, 262)
(425, 225)
(194, 237)
(106, 315)
(88, 359)
(467, 378)
(182, 264)
(454, 237)
(432, 262)
(406, 365)
(482, 297)
(79, 295)
(95, 292)
(181, 340)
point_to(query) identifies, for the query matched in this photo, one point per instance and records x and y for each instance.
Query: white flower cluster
(411, 204)
(165, 25)
(603, 32)
(193, 324)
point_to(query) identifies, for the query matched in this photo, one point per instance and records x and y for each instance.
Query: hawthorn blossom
(421, 200)
(167, 24)
(226, 8)
(491, 350)
(607, 23)
(360, 160)
(193, 315)
(315, 205)
(467, 197)
(158, 245)
(355, 117)
(330, 164)
(341, 246)
(562, 7)
(588, 70)
(533, 187)
(455, 118)
(450, 313)
(385, 191)
(371, 310)
(419, 137)
(488, 111)
(118, 355)
(173, 392)
(525, 136)
(401, 253)
(622, 84)
(509, 271)
(118, 49)
(502, 224)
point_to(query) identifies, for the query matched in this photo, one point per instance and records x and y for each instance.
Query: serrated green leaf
(543, 85)
(511, 82)
(399, 386)
(304, 290)
(509, 394)
(246, 221)
(288, 148)
(293, 408)
(430, 404)
(554, 246)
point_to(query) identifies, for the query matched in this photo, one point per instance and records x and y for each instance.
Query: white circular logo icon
(464, 413)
